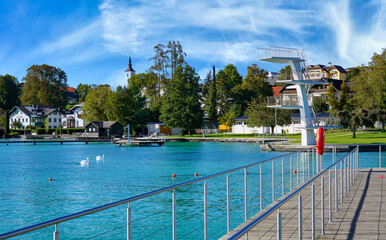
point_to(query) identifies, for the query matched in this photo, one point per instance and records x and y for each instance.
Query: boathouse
(104, 129)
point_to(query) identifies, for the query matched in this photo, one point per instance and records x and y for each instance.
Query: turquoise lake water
(28, 197)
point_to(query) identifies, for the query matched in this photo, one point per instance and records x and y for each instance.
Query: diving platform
(297, 60)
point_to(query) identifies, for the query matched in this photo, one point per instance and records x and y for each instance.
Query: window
(89, 129)
(93, 129)
(54, 119)
(49, 119)
(22, 119)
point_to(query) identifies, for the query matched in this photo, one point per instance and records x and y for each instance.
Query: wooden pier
(145, 142)
(61, 141)
(362, 215)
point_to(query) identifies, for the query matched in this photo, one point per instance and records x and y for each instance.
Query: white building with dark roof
(35, 116)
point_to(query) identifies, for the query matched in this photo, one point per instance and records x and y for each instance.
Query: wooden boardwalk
(362, 215)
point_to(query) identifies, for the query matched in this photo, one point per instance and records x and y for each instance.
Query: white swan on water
(98, 158)
(85, 162)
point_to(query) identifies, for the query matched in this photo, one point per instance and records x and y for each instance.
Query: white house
(35, 116)
(74, 118)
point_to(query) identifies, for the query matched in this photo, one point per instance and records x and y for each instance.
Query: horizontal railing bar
(277, 205)
(131, 199)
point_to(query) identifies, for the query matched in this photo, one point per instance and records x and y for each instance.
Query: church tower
(129, 71)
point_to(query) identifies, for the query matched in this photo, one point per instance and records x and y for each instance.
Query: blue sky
(91, 40)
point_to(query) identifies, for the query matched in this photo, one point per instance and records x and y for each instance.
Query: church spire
(130, 71)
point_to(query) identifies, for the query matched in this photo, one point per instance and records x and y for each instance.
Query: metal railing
(295, 168)
(279, 101)
(348, 170)
(280, 52)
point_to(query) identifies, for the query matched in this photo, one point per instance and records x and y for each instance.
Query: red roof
(276, 91)
(70, 89)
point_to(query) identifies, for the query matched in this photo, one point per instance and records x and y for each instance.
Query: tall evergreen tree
(9, 96)
(343, 96)
(212, 111)
(181, 107)
(226, 80)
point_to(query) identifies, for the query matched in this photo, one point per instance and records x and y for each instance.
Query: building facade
(35, 116)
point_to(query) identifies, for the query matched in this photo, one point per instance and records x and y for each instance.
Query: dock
(61, 141)
(362, 215)
(141, 142)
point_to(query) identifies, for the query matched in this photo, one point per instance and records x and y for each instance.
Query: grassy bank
(346, 138)
(236, 135)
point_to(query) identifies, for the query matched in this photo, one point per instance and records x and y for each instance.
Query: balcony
(288, 102)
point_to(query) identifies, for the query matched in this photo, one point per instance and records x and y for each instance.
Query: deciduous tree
(44, 85)
(95, 106)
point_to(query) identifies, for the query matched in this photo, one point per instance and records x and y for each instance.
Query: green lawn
(346, 138)
(235, 135)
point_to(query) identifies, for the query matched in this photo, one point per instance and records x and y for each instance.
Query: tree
(9, 96)
(126, 106)
(353, 72)
(177, 56)
(319, 105)
(226, 80)
(332, 99)
(262, 116)
(212, 98)
(181, 106)
(369, 84)
(81, 92)
(95, 106)
(286, 73)
(343, 101)
(378, 115)
(254, 86)
(45, 86)
(354, 119)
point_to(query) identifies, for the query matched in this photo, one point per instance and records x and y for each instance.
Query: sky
(92, 40)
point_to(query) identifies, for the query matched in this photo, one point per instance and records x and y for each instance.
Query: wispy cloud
(224, 31)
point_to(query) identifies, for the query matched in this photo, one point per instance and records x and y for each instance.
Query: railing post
(300, 214)
(313, 162)
(308, 161)
(279, 236)
(322, 203)
(336, 188)
(273, 181)
(341, 181)
(56, 233)
(297, 169)
(329, 197)
(174, 228)
(282, 176)
(291, 173)
(205, 211)
(303, 157)
(313, 210)
(317, 162)
(261, 187)
(346, 177)
(246, 193)
(380, 156)
(128, 221)
(228, 206)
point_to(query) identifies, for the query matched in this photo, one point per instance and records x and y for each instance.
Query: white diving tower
(296, 59)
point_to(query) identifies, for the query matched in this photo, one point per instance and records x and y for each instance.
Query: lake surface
(28, 197)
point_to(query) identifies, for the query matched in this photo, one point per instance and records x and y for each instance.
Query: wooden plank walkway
(360, 216)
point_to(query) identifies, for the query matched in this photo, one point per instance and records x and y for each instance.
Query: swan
(85, 162)
(98, 158)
